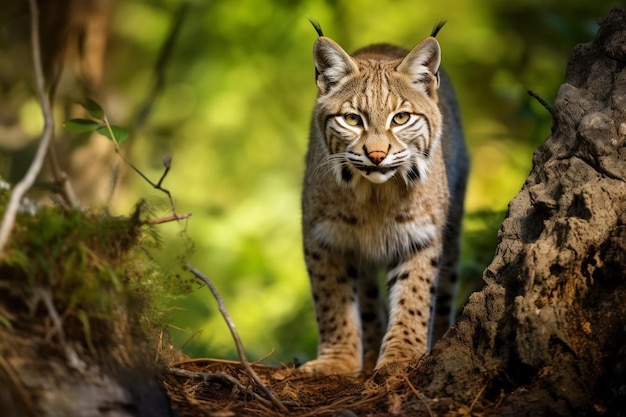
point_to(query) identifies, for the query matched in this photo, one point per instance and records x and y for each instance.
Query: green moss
(97, 268)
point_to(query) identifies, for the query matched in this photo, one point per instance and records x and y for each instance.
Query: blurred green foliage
(234, 111)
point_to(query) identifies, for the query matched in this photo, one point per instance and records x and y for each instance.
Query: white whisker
(329, 164)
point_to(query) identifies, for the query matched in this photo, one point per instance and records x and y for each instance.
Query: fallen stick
(220, 378)
(240, 350)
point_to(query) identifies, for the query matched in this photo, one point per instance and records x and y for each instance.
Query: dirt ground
(214, 388)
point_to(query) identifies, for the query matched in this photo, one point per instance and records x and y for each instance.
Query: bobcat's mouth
(369, 170)
(377, 175)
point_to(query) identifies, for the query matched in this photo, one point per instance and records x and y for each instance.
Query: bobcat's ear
(332, 64)
(422, 64)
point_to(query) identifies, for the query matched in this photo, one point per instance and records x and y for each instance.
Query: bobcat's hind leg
(373, 315)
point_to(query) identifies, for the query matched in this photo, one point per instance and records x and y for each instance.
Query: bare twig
(44, 295)
(146, 108)
(480, 393)
(222, 361)
(70, 354)
(167, 163)
(63, 185)
(35, 167)
(541, 101)
(238, 344)
(171, 218)
(220, 378)
(115, 175)
(24, 395)
(419, 396)
(161, 64)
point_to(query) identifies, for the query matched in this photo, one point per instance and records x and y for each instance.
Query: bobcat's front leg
(336, 308)
(411, 283)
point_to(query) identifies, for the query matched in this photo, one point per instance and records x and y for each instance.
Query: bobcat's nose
(376, 156)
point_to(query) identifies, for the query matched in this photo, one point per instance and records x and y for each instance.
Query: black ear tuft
(437, 28)
(317, 27)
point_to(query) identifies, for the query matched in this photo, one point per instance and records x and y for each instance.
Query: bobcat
(383, 190)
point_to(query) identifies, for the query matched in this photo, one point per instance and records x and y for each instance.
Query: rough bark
(547, 333)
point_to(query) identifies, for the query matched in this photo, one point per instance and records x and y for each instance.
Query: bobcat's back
(383, 190)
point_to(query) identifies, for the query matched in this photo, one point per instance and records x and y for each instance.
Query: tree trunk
(547, 333)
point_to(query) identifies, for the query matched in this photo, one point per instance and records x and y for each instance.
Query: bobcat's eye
(400, 118)
(353, 119)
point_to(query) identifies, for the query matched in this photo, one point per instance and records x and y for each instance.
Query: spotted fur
(383, 194)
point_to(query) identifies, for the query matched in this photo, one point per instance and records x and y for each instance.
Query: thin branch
(238, 344)
(167, 162)
(220, 378)
(63, 185)
(24, 395)
(541, 101)
(222, 361)
(115, 174)
(44, 295)
(480, 393)
(419, 396)
(161, 64)
(35, 167)
(72, 358)
(159, 81)
(145, 110)
(167, 219)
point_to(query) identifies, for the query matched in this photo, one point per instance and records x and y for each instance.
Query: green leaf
(84, 319)
(120, 133)
(93, 108)
(5, 322)
(80, 125)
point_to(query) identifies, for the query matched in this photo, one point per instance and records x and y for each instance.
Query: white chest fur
(377, 234)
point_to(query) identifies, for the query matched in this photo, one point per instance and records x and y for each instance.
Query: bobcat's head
(377, 110)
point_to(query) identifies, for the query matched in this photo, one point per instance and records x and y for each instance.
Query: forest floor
(220, 388)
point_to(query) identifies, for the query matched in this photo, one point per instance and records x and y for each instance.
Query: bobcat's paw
(390, 365)
(389, 368)
(396, 357)
(327, 366)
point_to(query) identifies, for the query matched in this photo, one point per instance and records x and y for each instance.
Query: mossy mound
(82, 301)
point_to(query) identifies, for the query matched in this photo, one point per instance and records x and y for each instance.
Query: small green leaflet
(115, 133)
(93, 108)
(80, 125)
(84, 319)
(5, 322)
(86, 125)
(120, 133)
